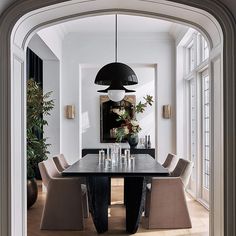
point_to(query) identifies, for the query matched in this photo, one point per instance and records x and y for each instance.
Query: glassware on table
(127, 153)
(115, 154)
(123, 160)
(142, 142)
(101, 157)
(131, 162)
(108, 151)
(107, 163)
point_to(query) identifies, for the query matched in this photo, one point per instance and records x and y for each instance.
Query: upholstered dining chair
(165, 205)
(63, 209)
(60, 162)
(170, 162)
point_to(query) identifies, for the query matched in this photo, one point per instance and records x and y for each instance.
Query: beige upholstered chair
(170, 162)
(183, 170)
(60, 162)
(63, 209)
(166, 205)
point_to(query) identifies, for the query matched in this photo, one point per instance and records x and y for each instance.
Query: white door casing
(25, 17)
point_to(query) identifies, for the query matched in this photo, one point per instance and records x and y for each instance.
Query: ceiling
(106, 24)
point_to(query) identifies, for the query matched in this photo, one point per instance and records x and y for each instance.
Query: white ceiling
(106, 24)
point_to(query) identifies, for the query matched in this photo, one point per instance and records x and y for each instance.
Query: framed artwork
(108, 118)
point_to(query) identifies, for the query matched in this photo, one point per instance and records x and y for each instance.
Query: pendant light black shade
(116, 71)
(116, 75)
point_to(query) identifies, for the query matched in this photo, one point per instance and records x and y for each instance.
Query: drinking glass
(101, 157)
(142, 142)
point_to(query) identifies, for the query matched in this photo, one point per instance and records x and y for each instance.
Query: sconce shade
(70, 111)
(116, 71)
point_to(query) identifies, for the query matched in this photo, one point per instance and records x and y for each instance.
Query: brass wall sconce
(70, 111)
(166, 111)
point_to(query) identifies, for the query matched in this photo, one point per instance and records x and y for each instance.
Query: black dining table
(97, 177)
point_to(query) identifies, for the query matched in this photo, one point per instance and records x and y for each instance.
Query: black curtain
(34, 67)
(34, 70)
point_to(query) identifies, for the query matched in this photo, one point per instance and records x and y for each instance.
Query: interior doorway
(20, 37)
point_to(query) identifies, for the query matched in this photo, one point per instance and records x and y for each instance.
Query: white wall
(51, 82)
(53, 39)
(99, 49)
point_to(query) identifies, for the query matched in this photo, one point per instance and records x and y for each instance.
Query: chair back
(60, 162)
(48, 171)
(170, 162)
(183, 170)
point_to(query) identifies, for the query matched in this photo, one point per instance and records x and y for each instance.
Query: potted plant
(130, 126)
(38, 106)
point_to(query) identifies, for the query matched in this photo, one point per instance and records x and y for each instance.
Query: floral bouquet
(130, 126)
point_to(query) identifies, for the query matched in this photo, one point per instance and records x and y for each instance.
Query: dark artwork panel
(108, 119)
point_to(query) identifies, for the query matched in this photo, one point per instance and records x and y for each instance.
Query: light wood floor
(199, 216)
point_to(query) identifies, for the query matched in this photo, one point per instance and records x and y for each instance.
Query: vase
(133, 140)
(32, 192)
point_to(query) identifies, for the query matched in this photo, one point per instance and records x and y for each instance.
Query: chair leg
(85, 206)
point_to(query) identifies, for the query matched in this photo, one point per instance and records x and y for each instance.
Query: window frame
(201, 64)
(205, 190)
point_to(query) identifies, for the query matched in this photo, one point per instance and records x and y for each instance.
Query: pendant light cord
(116, 38)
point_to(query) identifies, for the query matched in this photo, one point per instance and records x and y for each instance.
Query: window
(190, 57)
(205, 49)
(198, 110)
(193, 124)
(206, 128)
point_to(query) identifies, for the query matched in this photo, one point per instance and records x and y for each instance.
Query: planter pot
(32, 192)
(133, 140)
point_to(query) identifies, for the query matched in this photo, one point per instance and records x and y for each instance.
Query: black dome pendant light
(116, 75)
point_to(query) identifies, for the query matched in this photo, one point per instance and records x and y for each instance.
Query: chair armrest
(64, 184)
(167, 180)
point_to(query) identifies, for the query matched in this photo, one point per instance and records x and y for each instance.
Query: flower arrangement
(130, 126)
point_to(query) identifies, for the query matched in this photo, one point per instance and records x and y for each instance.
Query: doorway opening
(20, 38)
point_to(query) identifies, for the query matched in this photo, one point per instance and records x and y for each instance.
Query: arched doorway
(27, 17)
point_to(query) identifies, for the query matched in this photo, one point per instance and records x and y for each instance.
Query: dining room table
(134, 170)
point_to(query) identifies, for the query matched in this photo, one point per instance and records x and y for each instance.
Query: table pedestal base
(134, 201)
(98, 192)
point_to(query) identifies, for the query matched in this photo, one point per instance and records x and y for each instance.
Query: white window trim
(200, 66)
(206, 72)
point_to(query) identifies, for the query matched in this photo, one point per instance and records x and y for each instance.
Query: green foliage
(120, 133)
(38, 106)
(140, 108)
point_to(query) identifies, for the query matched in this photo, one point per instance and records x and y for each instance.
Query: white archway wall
(76, 9)
(18, 125)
